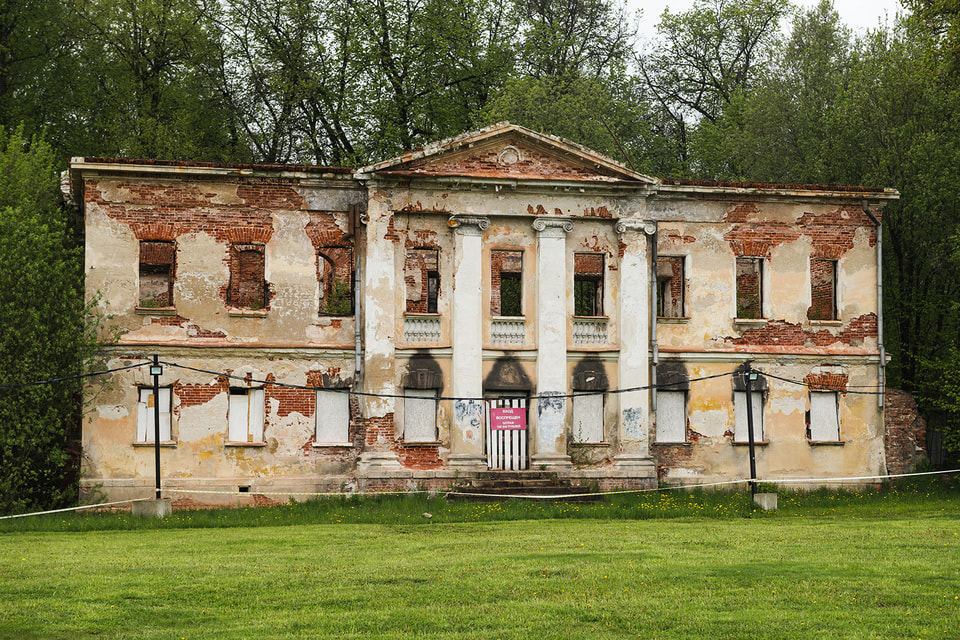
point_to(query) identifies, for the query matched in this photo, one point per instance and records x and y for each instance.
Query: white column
(634, 363)
(466, 435)
(551, 442)
(379, 353)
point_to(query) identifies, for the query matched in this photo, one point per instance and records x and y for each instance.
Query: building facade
(499, 300)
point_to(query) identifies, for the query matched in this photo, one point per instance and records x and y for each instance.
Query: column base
(379, 461)
(550, 462)
(467, 462)
(641, 466)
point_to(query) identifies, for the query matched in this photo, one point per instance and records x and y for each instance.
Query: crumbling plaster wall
(198, 455)
(203, 218)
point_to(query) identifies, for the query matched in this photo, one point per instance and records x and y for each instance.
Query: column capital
(649, 227)
(468, 225)
(553, 227)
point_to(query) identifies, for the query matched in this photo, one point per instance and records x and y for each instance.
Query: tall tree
(45, 336)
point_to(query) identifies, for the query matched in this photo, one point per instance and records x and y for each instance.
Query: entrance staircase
(494, 486)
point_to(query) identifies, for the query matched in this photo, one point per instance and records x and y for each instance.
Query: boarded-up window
(823, 420)
(420, 415)
(823, 290)
(335, 273)
(749, 288)
(670, 287)
(671, 416)
(421, 275)
(588, 284)
(588, 418)
(146, 429)
(248, 287)
(157, 261)
(333, 417)
(506, 283)
(740, 432)
(245, 415)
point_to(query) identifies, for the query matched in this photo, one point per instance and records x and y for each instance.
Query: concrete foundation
(153, 508)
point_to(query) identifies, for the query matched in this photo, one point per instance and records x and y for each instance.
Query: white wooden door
(506, 449)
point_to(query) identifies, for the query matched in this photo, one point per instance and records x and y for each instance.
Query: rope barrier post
(750, 375)
(156, 371)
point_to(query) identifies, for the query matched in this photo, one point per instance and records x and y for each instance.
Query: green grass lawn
(853, 566)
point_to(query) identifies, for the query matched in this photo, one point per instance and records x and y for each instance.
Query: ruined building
(502, 299)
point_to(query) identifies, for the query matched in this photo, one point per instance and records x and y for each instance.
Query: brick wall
(905, 432)
(418, 264)
(500, 262)
(822, 290)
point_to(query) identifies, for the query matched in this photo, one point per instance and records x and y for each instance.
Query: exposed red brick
(787, 334)
(905, 432)
(196, 394)
(826, 381)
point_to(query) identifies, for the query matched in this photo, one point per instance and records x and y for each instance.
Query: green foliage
(44, 335)
(339, 301)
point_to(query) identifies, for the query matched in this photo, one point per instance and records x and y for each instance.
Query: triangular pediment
(507, 151)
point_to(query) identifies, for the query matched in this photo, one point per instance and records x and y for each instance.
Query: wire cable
(65, 378)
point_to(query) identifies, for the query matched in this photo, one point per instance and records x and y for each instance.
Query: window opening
(588, 284)
(670, 287)
(421, 274)
(740, 428)
(823, 290)
(671, 416)
(506, 283)
(333, 417)
(145, 415)
(750, 288)
(420, 415)
(335, 267)
(245, 415)
(156, 274)
(248, 288)
(823, 419)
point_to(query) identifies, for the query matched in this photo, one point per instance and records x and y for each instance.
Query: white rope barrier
(85, 506)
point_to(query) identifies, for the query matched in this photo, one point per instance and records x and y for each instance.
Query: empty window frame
(749, 288)
(420, 415)
(671, 416)
(421, 275)
(670, 287)
(823, 419)
(248, 286)
(157, 260)
(588, 284)
(333, 417)
(823, 289)
(146, 413)
(335, 274)
(506, 283)
(588, 418)
(740, 427)
(245, 415)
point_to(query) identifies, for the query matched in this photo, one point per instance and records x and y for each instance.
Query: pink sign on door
(505, 419)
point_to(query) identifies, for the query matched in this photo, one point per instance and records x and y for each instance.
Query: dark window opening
(750, 288)
(588, 284)
(248, 288)
(421, 275)
(335, 272)
(670, 287)
(506, 283)
(511, 294)
(156, 274)
(823, 290)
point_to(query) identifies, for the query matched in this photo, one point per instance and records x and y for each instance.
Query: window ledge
(673, 319)
(750, 322)
(826, 443)
(420, 314)
(591, 317)
(510, 318)
(164, 444)
(589, 444)
(234, 443)
(332, 445)
(248, 313)
(423, 443)
(827, 323)
(155, 311)
(685, 443)
(744, 443)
